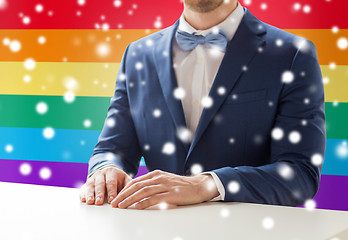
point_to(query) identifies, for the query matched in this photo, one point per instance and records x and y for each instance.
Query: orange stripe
(326, 44)
(81, 45)
(76, 45)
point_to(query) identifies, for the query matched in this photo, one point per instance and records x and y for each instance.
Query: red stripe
(323, 14)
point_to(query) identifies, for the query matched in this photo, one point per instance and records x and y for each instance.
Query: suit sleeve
(118, 143)
(297, 153)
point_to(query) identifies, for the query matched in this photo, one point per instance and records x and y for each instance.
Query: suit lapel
(240, 51)
(163, 56)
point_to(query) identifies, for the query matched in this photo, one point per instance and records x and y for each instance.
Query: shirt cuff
(219, 186)
(102, 166)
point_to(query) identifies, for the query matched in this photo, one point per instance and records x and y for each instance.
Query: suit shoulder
(150, 39)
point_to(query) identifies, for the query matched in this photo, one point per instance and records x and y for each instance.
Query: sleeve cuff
(101, 167)
(219, 186)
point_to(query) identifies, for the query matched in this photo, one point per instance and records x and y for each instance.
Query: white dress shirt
(195, 72)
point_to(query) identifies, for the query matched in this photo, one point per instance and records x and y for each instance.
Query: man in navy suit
(222, 107)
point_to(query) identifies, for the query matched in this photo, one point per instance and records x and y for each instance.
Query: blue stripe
(65, 146)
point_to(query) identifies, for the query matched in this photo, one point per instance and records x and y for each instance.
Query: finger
(111, 185)
(135, 187)
(160, 198)
(90, 191)
(82, 194)
(141, 178)
(145, 192)
(99, 189)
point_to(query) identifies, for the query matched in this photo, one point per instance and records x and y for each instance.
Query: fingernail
(98, 199)
(110, 198)
(89, 198)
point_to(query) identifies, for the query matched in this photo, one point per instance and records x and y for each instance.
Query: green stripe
(19, 111)
(336, 120)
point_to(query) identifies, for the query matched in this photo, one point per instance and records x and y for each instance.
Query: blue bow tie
(188, 41)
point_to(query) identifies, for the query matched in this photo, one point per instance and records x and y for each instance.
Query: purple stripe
(62, 174)
(332, 194)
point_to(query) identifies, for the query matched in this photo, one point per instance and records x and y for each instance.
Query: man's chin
(203, 6)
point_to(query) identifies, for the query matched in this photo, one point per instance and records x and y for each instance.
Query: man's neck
(203, 21)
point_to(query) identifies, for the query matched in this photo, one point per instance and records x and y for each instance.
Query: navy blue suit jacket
(251, 70)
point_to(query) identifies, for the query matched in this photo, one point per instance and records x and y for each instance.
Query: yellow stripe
(49, 78)
(98, 79)
(337, 86)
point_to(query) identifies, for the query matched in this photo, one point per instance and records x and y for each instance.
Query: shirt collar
(229, 25)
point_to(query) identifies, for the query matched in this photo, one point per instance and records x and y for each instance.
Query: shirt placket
(197, 87)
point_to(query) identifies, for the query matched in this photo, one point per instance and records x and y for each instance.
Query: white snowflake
(247, 2)
(207, 101)
(110, 122)
(277, 133)
(184, 134)
(117, 3)
(179, 93)
(69, 96)
(263, 6)
(41, 39)
(342, 150)
(285, 171)
(103, 49)
(221, 90)
(317, 159)
(3, 4)
(15, 45)
(147, 147)
(279, 42)
(224, 212)
(87, 123)
(41, 107)
(26, 78)
(287, 76)
(334, 29)
(297, 6)
(8, 148)
(310, 204)
(294, 137)
(48, 132)
(138, 65)
(267, 223)
(332, 65)
(342, 43)
(29, 64)
(156, 113)
(45, 173)
(38, 7)
(6, 41)
(26, 20)
(233, 187)
(158, 22)
(25, 169)
(70, 83)
(306, 9)
(168, 148)
(196, 169)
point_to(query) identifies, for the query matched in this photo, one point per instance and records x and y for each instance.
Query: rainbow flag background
(58, 67)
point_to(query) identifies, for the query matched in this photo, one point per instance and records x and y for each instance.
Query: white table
(32, 212)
